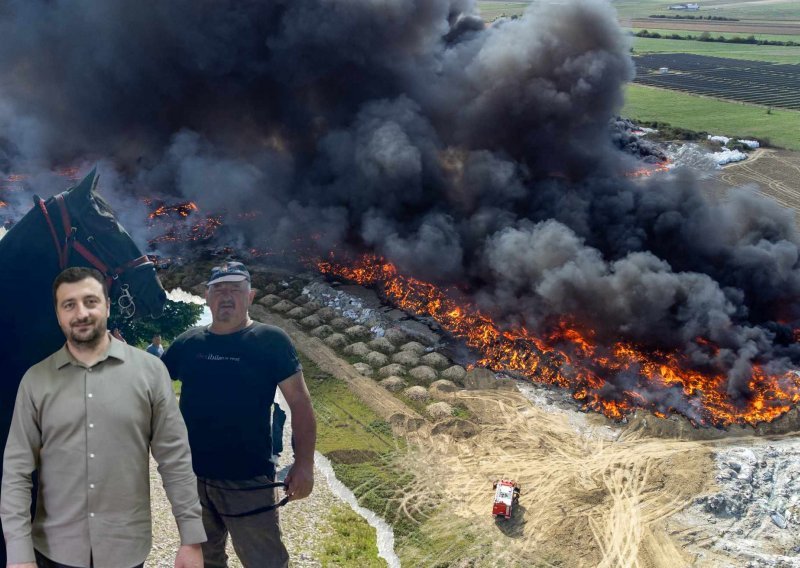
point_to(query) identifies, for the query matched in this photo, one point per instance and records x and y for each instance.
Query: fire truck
(506, 493)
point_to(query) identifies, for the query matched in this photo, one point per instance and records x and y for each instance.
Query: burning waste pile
(474, 161)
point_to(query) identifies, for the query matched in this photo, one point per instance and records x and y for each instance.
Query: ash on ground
(754, 516)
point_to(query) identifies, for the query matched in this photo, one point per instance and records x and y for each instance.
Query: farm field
(776, 174)
(492, 10)
(752, 12)
(774, 10)
(768, 30)
(666, 28)
(775, 54)
(781, 127)
(754, 82)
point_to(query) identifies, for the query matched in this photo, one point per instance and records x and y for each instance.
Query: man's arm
(20, 459)
(169, 444)
(300, 479)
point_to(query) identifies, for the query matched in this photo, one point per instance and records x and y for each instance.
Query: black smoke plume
(466, 153)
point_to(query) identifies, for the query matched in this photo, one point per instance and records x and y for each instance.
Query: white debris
(691, 156)
(752, 144)
(728, 156)
(756, 505)
(720, 139)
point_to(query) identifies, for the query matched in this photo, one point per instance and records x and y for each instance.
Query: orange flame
(569, 357)
(651, 170)
(180, 209)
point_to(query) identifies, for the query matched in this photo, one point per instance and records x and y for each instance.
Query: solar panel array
(755, 82)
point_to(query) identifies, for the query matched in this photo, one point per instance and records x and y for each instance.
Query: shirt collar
(116, 349)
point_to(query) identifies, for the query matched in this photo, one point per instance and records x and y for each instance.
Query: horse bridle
(125, 302)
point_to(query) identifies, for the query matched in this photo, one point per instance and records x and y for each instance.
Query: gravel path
(304, 523)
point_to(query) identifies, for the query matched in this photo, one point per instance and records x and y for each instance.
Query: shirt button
(91, 514)
(90, 395)
(91, 425)
(91, 455)
(91, 486)
(89, 369)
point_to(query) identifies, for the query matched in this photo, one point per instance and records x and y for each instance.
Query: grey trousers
(256, 538)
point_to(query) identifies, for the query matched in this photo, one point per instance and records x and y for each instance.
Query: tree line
(706, 36)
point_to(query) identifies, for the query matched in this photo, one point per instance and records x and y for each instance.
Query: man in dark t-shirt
(229, 372)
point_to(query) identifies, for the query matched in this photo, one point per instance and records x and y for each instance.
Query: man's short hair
(76, 274)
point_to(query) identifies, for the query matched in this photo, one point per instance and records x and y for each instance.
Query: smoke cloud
(465, 153)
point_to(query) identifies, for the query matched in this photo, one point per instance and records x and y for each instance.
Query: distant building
(691, 7)
(663, 70)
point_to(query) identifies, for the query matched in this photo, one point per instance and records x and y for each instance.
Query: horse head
(91, 230)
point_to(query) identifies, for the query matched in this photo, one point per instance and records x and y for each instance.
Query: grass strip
(778, 127)
(775, 54)
(369, 460)
(353, 543)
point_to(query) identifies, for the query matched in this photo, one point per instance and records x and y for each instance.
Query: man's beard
(89, 338)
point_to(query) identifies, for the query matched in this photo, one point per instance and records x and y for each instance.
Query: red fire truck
(506, 493)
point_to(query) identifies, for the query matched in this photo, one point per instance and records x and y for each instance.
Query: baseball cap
(228, 272)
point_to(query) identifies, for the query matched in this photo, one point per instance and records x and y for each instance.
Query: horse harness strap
(251, 512)
(69, 239)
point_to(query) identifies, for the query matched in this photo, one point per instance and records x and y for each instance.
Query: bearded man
(87, 418)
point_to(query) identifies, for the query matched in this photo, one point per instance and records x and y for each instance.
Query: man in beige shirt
(86, 418)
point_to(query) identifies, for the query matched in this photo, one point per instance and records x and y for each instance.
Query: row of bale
(406, 366)
(399, 363)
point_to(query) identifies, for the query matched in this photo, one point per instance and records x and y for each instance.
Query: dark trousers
(256, 538)
(43, 562)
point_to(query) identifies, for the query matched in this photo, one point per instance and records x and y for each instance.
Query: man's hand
(189, 556)
(24, 565)
(299, 481)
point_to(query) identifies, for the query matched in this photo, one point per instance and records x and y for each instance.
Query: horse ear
(86, 186)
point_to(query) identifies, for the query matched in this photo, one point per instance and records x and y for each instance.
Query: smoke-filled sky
(465, 153)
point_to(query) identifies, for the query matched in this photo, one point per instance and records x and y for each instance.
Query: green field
(776, 54)
(728, 35)
(369, 460)
(493, 10)
(780, 10)
(780, 127)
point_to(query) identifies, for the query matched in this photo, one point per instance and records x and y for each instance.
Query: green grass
(627, 9)
(344, 423)
(493, 10)
(786, 10)
(780, 127)
(776, 54)
(728, 35)
(368, 459)
(353, 542)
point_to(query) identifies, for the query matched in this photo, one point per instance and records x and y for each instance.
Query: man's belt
(251, 512)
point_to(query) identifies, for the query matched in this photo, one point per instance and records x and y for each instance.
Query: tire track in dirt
(587, 499)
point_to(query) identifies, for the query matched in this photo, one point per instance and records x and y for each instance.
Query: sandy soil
(774, 173)
(591, 495)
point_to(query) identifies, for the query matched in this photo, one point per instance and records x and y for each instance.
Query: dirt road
(591, 495)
